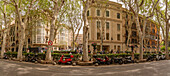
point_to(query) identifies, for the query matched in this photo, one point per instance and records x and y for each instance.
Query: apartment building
(36, 37)
(63, 39)
(105, 18)
(151, 32)
(110, 20)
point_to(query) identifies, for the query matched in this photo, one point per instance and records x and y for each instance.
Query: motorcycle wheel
(120, 62)
(59, 63)
(125, 62)
(108, 63)
(70, 62)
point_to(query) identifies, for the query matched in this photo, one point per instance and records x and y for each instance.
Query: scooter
(5, 57)
(31, 58)
(150, 58)
(156, 57)
(117, 60)
(162, 57)
(101, 60)
(128, 59)
(65, 60)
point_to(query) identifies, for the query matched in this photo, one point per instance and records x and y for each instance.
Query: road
(14, 68)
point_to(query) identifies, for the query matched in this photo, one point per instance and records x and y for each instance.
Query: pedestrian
(81, 51)
(70, 53)
(111, 51)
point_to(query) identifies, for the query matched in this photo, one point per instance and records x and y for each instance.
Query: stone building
(151, 32)
(108, 18)
(36, 37)
(108, 21)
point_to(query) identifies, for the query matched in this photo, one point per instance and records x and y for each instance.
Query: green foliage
(163, 48)
(64, 52)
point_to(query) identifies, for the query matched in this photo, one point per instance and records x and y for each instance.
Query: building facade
(36, 37)
(106, 19)
(109, 21)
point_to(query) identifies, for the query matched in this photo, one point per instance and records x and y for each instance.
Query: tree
(52, 9)
(7, 18)
(86, 4)
(20, 7)
(163, 17)
(5, 31)
(74, 18)
(137, 7)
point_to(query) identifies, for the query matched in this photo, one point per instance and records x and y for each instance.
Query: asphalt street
(15, 68)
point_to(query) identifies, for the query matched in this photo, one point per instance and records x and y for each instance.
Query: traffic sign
(50, 43)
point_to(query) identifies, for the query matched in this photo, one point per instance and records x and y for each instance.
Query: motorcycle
(101, 60)
(5, 57)
(162, 57)
(65, 60)
(156, 57)
(150, 58)
(117, 60)
(30, 58)
(128, 59)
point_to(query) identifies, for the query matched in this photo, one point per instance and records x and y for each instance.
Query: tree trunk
(5, 33)
(73, 42)
(21, 43)
(85, 43)
(3, 44)
(140, 37)
(85, 31)
(101, 42)
(50, 48)
(22, 33)
(27, 44)
(141, 48)
(166, 41)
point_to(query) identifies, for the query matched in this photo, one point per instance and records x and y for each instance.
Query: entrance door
(106, 47)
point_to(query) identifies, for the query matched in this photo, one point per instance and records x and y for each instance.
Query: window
(153, 43)
(98, 24)
(88, 13)
(118, 15)
(127, 22)
(98, 36)
(118, 48)
(153, 31)
(107, 13)
(139, 20)
(107, 25)
(115, 47)
(118, 27)
(107, 36)
(134, 33)
(98, 12)
(133, 25)
(118, 36)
